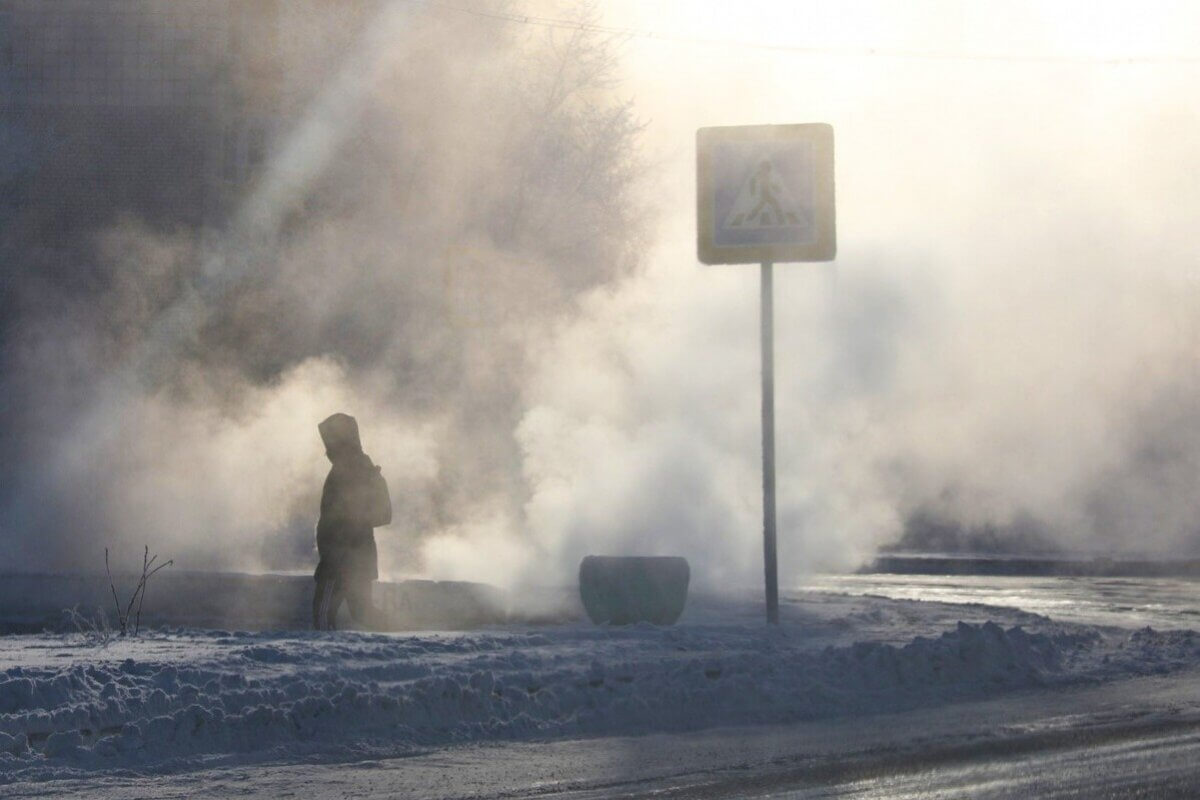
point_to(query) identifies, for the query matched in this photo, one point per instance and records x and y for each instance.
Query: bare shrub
(94, 630)
(139, 592)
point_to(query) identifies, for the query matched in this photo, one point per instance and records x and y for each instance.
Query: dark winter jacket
(353, 502)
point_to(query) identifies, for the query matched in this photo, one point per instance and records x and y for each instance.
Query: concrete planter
(619, 590)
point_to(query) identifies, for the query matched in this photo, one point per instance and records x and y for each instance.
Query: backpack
(379, 503)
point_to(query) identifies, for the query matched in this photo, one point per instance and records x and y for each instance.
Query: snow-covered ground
(177, 700)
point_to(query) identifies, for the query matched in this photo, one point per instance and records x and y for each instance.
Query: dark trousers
(331, 590)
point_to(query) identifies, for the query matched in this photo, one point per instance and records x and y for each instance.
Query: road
(1150, 766)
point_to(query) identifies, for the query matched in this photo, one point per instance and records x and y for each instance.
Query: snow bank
(181, 699)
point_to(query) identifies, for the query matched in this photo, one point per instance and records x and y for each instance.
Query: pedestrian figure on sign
(354, 501)
(763, 184)
(768, 212)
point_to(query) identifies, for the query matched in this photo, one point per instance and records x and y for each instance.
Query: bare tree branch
(139, 591)
(113, 586)
(137, 624)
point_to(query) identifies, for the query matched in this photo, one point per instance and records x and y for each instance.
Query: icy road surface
(847, 679)
(1127, 602)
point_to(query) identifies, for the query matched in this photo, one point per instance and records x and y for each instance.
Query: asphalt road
(1145, 766)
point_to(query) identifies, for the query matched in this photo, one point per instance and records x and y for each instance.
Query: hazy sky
(1009, 333)
(945, 74)
(1011, 326)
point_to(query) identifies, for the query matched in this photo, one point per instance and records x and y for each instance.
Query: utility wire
(804, 50)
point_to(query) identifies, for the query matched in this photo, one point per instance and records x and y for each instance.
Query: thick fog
(439, 194)
(1009, 341)
(476, 236)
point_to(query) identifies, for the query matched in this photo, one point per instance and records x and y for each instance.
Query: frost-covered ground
(180, 700)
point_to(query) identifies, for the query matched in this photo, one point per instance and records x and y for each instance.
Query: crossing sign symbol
(765, 194)
(765, 202)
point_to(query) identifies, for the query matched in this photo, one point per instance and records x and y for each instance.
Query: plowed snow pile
(181, 699)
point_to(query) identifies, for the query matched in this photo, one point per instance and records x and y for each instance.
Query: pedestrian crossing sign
(765, 193)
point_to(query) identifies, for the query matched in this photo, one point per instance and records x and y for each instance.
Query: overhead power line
(803, 50)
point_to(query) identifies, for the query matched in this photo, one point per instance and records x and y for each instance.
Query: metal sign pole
(767, 315)
(764, 195)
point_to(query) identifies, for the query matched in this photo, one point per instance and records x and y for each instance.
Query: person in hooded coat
(353, 502)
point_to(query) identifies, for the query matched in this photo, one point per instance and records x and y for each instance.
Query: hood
(340, 433)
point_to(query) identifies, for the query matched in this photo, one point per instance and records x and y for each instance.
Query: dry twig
(139, 592)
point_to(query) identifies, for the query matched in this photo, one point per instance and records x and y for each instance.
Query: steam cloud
(447, 241)
(435, 202)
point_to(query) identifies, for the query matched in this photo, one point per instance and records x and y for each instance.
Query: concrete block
(619, 590)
